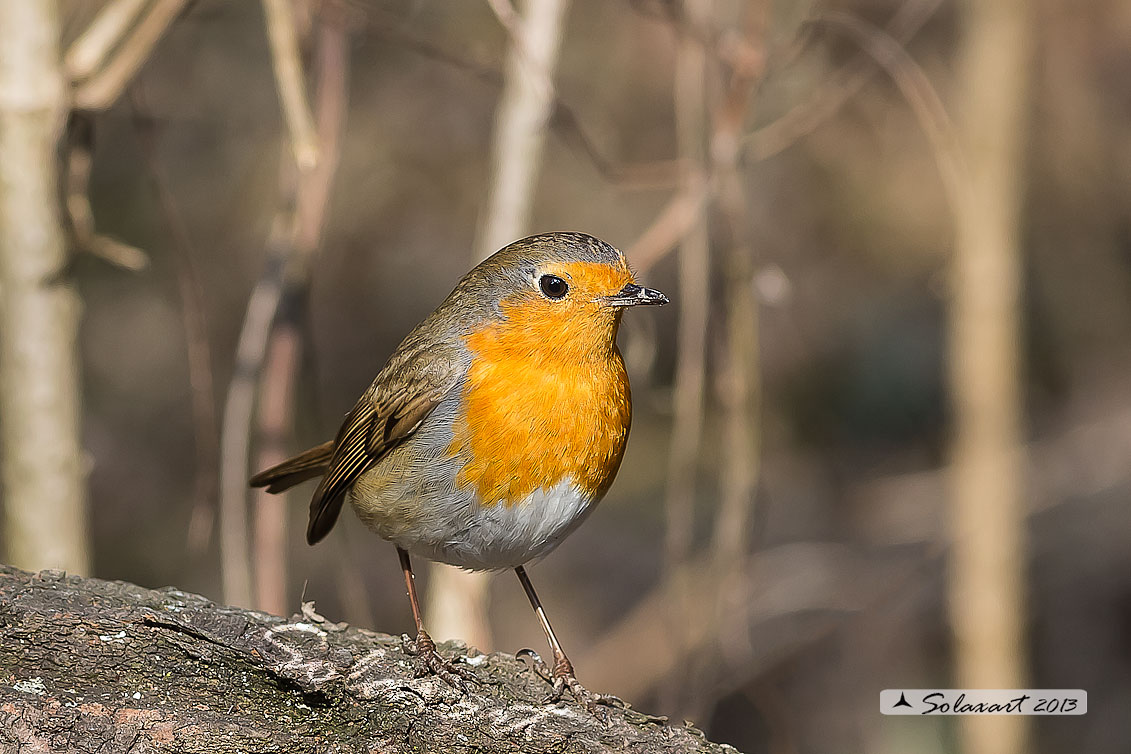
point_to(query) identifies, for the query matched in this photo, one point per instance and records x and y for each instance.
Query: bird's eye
(553, 286)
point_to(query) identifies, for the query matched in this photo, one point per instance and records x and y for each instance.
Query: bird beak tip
(635, 295)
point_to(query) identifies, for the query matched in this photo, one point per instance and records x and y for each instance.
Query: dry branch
(285, 351)
(564, 121)
(78, 162)
(194, 319)
(678, 218)
(290, 81)
(917, 91)
(274, 305)
(826, 101)
(87, 53)
(104, 86)
(94, 665)
(694, 260)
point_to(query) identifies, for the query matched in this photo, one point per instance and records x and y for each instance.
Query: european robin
(495, 427)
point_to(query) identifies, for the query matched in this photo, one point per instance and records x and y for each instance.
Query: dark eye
(553, 286)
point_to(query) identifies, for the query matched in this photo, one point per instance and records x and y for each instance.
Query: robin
(495, 427)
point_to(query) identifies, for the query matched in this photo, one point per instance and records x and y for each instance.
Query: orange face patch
(547, 396)
(591, 279)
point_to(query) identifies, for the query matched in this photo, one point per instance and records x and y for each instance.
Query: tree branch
(290, 82)
(87, 664)
(826, 101)
(103, 88)
(86, 54)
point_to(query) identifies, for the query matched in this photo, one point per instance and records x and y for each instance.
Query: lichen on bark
(90, 665)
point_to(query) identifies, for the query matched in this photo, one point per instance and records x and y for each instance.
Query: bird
(494, 428)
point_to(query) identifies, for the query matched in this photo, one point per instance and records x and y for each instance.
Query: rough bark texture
(90, 665)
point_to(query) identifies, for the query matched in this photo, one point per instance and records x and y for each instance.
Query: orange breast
(543, 403)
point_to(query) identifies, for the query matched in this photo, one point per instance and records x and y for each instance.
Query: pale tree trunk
(520, 122)
(987, 604)
(457, 600)
(45, 521)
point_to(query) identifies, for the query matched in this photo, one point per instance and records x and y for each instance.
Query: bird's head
(562, 292)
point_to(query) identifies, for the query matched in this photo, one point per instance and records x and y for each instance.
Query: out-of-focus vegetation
(850, 231)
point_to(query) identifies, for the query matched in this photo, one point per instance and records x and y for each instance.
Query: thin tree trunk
(45, 520)
(311, 195)
(987, 604)
(690, 104)
(739, 386)
(457, 600)
(520, 123)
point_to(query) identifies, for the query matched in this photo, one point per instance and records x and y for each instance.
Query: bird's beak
(635, 295)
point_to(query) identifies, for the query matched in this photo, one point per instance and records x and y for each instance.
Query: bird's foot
(562, 679)
(430, 662)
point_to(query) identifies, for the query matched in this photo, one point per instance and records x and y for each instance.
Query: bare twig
(510, 20)
(78, 161)
(627, 175)
(284, 353)
(89, 50)
(290, 83)
(671, 226)
(294, 238)
(235, 566)
(269, 517)
(563, 121)
(807, 116)
(916, 89)
(690, 375)
(103, 88)
(739, 384)
(195, 321)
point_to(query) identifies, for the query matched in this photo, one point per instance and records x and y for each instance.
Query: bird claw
(563, 679)
(582, 695)
(535, 663)
(430, 662)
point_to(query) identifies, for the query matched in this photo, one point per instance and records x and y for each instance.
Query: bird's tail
(306, 465)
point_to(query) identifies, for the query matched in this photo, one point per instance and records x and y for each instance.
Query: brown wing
(370, 431)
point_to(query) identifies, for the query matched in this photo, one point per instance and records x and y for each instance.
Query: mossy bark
(90, 665)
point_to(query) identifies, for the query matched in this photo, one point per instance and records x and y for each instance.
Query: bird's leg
(562, 672)
(428, 660)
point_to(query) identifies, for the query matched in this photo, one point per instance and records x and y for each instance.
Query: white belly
(506, 536)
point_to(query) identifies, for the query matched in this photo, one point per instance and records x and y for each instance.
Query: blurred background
(881, 435)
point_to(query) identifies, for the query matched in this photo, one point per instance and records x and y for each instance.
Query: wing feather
(370, 431)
